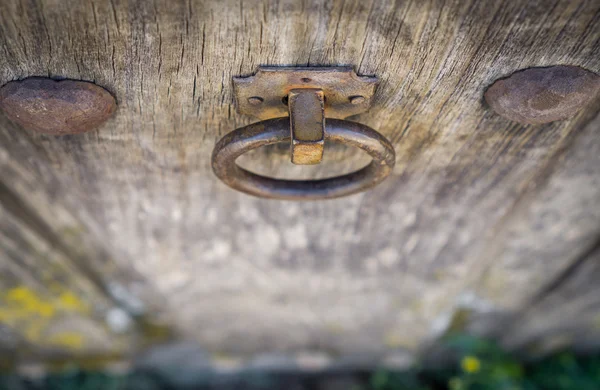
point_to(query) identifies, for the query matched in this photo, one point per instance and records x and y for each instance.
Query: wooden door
(117, 238)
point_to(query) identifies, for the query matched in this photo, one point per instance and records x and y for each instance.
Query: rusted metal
(273, 85)
(273, 131)
(543, 95)
(357, 99)
(55, 107)
(255, 100)
(308, 95)
(307, 125)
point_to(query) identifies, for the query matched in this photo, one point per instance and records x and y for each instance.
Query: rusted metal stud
(543, 95)
(307, 125)
(56, 107)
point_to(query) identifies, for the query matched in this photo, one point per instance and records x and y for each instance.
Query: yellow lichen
(470, 364)
(29, 302)
(31, 315)
(70, 340)
(392, 340)
(34, 329)
(71, 302)
(334, 328)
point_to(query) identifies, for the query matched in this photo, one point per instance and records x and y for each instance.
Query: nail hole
(306, 80)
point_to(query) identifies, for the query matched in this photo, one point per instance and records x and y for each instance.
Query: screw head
(357, 100)
(255, 100)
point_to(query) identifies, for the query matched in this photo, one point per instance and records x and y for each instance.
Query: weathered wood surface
(60, 288)
(540, 304)
(457, 225)
(566, 315)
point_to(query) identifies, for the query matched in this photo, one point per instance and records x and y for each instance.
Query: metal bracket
(308, 95)
(265, 94)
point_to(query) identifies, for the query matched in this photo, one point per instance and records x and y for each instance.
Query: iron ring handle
(277, 130)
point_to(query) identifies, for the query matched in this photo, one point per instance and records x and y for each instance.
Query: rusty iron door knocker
(306, 95)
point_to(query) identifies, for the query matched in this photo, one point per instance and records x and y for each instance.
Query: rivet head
(255, 100)
(543, 95)
(357, 100)
(56, 107)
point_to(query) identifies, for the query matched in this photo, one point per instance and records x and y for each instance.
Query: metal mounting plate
(264, 95)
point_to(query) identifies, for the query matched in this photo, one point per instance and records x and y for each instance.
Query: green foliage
(387, 380)
(478, 365)
(482, 365)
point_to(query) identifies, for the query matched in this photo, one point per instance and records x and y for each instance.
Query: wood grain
(372, 272)
(566, 315)
(61, 290)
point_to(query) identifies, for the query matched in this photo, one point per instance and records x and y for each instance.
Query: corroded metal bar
(307, 125)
